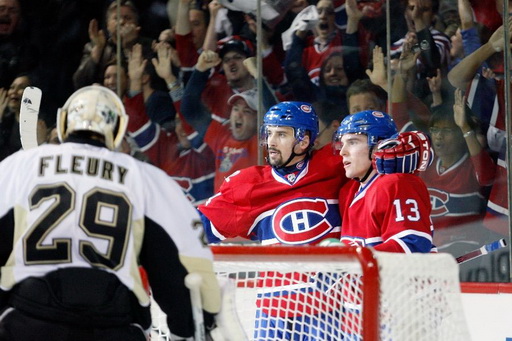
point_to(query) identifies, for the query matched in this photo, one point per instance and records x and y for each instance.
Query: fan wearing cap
(213, 86)
(389, 212)
(233, 141)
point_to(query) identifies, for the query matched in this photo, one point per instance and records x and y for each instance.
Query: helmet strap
(292, 155)
(369, 171)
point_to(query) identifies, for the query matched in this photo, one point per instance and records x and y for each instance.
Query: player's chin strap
(292, 155)
(369, 171)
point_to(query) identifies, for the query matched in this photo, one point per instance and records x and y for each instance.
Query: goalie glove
(408, 152)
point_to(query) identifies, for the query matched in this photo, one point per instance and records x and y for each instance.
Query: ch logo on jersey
(438, 199)
(301, 221)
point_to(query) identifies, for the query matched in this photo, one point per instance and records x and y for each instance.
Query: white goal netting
(340, 293)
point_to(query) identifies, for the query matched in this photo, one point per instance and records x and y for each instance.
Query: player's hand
(408, 152)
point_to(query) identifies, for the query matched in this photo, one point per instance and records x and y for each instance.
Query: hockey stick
(29, 112)
(193, 283)
(487, 248)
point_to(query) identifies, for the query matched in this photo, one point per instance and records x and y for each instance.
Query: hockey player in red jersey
(291, 201)
(76, 222)
(389, 212)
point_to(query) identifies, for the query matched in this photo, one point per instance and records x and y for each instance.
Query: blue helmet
(299, 115)
(377, 125)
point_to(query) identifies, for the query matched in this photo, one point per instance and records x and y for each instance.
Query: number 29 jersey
(390, 213)
(84, 206)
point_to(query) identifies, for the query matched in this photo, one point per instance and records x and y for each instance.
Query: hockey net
(339, 293)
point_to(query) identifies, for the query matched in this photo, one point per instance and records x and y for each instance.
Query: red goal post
(333, 293)
(268, 258)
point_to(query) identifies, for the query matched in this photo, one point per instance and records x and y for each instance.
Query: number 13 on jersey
(406, 209)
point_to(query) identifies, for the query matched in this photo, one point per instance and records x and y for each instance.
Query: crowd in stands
(186, 72)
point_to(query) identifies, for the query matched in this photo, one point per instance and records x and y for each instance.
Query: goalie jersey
(260, 204)
(82, 207)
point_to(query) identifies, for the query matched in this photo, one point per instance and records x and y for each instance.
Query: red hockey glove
(407, 152)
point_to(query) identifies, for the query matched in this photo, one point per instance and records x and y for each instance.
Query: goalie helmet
(377, 125)
(299, 115)
(96, 109)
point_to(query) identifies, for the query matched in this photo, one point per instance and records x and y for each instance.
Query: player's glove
(407, 152)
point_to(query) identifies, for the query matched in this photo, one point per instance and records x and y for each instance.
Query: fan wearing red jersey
(390, 212)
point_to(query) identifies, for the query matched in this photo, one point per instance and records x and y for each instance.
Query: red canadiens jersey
(194, 170)
(390, 213)
(313, 56)
(259, 204)
(230, 154)
(456, 195)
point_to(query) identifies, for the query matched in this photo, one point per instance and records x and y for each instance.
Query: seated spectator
(459, 179)
(102, 46)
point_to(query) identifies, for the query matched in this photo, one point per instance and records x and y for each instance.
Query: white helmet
(94, 108)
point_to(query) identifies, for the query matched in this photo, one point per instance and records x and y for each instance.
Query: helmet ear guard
(96, 109)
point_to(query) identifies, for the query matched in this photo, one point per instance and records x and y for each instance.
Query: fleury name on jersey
(78, 164)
